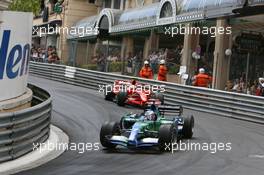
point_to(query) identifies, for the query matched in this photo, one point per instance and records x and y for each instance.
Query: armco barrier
(220, 103)
(19, 130)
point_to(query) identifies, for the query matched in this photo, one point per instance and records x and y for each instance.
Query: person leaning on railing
(260, 89)
(53, 58)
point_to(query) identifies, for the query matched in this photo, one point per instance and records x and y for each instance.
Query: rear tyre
(121, 98)
(109, 95)
(167, 136)
(108, 130)
(188, 127)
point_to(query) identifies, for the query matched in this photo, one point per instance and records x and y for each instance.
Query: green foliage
(115, 67)
(25, 6)
(89, 66)
(174, 69)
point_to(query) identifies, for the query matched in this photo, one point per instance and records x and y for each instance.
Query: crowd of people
(103, 61)
(48, 55)
(171, 57)
(157, 63)
(240, 86)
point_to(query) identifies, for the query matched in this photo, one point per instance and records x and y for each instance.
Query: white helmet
(162, 61)
(201, 71)
(146, 62)
(261, 81)
(149, 115)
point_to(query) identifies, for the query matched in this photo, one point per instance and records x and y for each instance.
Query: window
(166, 10)
(107, 3)
(117, 4)
(114, 4)
(91, 1)
(52, 4)
(124, 5)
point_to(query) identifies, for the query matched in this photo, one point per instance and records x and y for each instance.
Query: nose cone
(132, 140)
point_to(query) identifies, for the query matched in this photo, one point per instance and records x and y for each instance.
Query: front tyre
(188, 126)
(109, 95)
(108, 130)
(167, 136)
(121, 98)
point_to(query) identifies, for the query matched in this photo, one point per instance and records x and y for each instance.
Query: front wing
(125, 142)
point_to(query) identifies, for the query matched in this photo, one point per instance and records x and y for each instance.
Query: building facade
(55, 28)
(223, 36)
(4, 4)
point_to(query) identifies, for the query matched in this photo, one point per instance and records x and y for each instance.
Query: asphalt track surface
(80, 113)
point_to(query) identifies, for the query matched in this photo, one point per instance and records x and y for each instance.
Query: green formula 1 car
(148, 129)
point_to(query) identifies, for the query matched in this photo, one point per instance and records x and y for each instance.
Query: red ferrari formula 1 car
(134, 93)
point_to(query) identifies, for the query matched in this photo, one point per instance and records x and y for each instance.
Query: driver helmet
(150, 115)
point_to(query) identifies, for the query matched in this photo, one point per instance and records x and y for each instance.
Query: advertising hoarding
(15, 43)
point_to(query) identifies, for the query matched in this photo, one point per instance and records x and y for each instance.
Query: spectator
(34, 54)
(95, 58)
(49, 51)
(114, 58)
(53, 58)
(162, 55)
(39, 51)
(153, 59)
(260, 89)
(229, 86)
(129, 62)
(242, 86)
(42, 55)
(253, 88)
(137, 63)
(108, 62)
(236, 86)
(101, 63)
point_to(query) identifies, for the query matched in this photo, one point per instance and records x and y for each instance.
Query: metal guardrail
(228, 104)
(20, 129)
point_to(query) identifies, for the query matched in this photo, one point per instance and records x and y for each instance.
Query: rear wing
(170, 110)
(175, 110)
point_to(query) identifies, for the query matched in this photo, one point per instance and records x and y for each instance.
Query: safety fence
(220, 103)
(20, 131)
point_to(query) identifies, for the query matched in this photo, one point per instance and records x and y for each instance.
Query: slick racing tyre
(109, 95)
(167, 136)
(121, 98)
(188, 126)
(108, 130)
